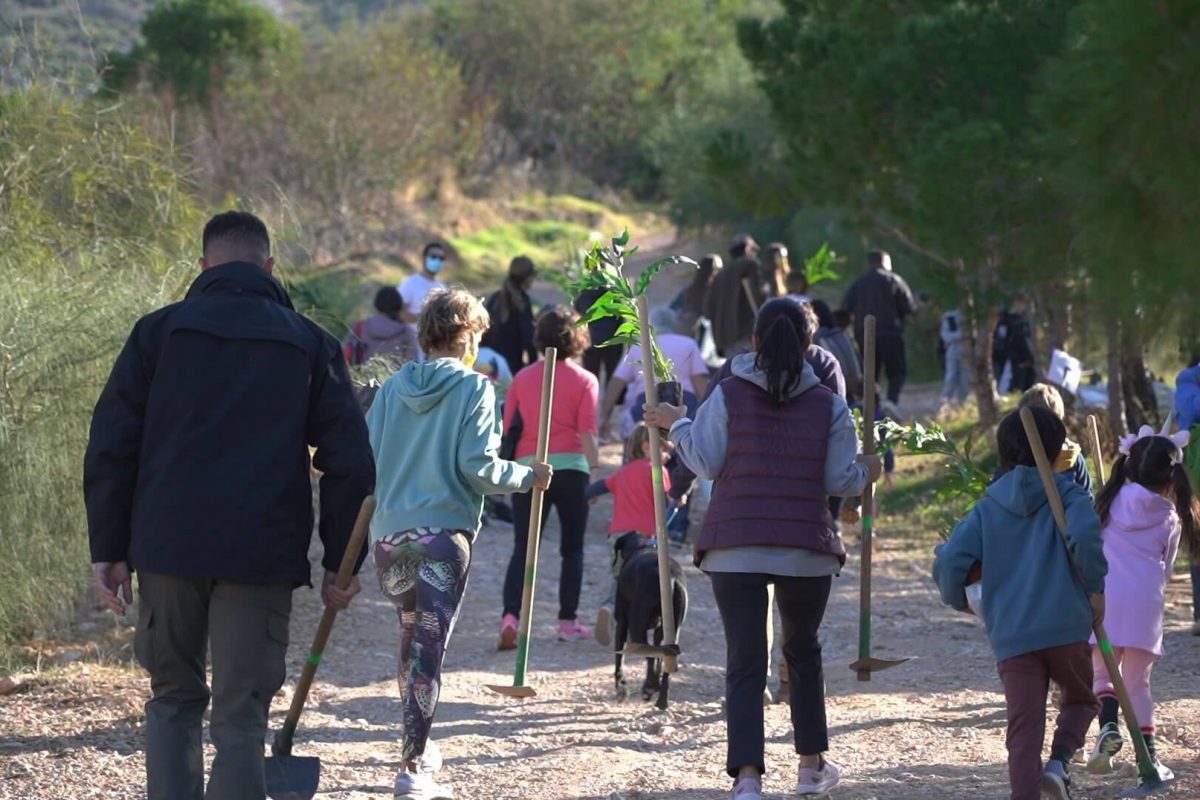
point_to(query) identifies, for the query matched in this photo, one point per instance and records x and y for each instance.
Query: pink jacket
(1141, 539)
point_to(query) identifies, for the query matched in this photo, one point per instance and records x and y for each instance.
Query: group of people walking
(226, 393)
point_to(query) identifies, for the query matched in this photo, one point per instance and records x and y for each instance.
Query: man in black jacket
(197, 478)
(885, 294)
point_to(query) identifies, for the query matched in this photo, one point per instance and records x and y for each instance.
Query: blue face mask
(433, 264)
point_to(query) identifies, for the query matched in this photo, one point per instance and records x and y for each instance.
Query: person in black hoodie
(197, 478)
(511, 332)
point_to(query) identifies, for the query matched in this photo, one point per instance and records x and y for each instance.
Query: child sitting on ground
(632, 488)
(435, 435)
(1144, 508)
(1047, 617)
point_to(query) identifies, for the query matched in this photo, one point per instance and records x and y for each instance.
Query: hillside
(67, 37)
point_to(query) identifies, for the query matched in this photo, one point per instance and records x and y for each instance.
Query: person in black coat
(511, 332)
(197, 477)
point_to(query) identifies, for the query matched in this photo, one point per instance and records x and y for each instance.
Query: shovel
(519, 689)
(1149, 781)
(866, 664)
(669, 650)
(290, 777)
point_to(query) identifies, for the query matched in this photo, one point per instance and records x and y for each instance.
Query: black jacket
(883, 293)
(513, 337)
(198, 461)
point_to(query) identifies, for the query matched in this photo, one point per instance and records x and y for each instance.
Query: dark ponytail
(1116, 479)
(1152, 463)
(783, 336)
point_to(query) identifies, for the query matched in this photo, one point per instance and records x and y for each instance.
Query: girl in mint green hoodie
(435, 436)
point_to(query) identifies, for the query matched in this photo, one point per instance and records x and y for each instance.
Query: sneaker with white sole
(746, 789)
(508, 632)
(1056, 783)
(604, 626)
(1108, 744)
(571, 630)
(817, 782)
(420, 786)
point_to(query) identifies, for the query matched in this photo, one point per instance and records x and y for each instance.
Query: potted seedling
(601, 274)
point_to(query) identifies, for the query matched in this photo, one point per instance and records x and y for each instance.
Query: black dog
(639, 609)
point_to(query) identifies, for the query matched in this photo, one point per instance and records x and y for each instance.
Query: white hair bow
(1180, 439)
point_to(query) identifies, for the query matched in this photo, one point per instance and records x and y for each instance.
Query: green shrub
(94, 218)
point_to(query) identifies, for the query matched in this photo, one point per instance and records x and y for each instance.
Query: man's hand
(542, 473)
(1097, 601)
(874, 465)
(338, 598)
(663, 415)
(115, 585)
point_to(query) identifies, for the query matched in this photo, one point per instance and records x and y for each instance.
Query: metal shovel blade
(292, 777)
(1149, 786)
(865, 666)
(519, 692)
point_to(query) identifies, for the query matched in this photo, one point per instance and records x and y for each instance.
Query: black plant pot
(670, 392)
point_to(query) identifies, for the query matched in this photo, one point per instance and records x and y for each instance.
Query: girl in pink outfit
(1145, 508)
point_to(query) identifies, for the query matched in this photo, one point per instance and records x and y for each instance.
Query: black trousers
(742, 601)
(567, 494)
(594, 358)
(247, 628)
(890, 357)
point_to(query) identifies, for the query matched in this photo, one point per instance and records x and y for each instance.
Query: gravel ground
(932, 728)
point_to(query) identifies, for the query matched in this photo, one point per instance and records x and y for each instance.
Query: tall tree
(915, 116)
(1119, 105)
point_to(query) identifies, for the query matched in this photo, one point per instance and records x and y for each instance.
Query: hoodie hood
(240, 277)
(1019, 492)
(422, 386)
(1190, 375)
(1136, 508)
(382, 328)
(744, 368)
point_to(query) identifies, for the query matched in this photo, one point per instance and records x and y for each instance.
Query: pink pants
(1135, 665)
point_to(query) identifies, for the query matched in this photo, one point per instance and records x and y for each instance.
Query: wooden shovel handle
(670, 663)
(1145, 766)
(283, 742)
(866, 545)
(1097, 453)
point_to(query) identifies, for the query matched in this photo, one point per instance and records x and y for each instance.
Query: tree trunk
(1116, 390)
(1141, 404)
(979, 354)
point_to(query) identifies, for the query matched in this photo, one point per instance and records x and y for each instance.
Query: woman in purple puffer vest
(777, 445)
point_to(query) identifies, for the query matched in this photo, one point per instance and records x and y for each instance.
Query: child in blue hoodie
(1037, 615)
(435, 434)
(1187, 415)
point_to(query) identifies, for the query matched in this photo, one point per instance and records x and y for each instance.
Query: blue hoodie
(435, 435)
(1031, 598)
(1187, 398)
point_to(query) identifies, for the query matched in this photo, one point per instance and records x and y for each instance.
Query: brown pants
(1026, 680)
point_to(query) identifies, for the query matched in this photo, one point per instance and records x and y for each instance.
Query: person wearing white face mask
(416, 288)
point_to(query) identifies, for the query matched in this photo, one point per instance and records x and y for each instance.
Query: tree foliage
(188, 46)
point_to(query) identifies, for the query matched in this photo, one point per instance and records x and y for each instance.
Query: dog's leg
(619, 645)
(653, 669)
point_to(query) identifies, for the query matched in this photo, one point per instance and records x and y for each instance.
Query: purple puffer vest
(771, 490)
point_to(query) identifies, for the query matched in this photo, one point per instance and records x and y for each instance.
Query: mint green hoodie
(435, 435)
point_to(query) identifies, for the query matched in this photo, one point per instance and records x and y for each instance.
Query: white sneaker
(817, 782)
(420, 786)
(746, 789)
(431, 760)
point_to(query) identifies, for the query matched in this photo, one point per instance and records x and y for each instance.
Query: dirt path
(932, 729)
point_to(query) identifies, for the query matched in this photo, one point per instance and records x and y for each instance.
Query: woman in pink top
(1145, 507)
(572, 452)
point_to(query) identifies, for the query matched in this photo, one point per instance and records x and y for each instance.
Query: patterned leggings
(423, 572)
